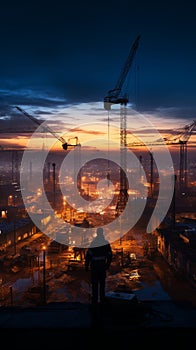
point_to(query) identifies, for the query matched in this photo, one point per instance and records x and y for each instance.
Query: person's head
(99, 232)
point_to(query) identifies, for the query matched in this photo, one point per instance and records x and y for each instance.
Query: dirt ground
(67, 281)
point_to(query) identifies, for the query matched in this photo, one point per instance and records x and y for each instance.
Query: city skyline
(78, 152)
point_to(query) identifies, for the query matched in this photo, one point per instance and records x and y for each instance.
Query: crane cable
(108, 166)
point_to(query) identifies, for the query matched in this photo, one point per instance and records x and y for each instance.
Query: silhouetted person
(98, 258)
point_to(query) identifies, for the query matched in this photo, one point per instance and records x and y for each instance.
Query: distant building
(178, 247)
(13, 232)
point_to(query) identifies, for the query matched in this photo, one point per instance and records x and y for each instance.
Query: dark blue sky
(55, 53)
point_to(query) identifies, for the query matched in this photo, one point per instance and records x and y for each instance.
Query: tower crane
(45, 127)
(179, 137)
(65, 144)
(182, 137)
(116, 96)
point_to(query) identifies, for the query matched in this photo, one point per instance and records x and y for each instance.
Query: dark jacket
(99, 255)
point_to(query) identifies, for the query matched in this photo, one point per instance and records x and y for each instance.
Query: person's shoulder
(107, 243)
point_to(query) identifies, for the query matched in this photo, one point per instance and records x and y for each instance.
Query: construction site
(42, 263)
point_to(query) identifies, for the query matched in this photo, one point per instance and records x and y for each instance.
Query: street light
(44, 274)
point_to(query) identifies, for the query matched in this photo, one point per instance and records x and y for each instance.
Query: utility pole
(44, 275)
(151, 174)
(54, 185)
(174, 204)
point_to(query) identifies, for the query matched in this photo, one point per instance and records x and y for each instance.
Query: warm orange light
(3, 214)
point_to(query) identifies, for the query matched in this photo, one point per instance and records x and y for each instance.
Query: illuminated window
(4, 214)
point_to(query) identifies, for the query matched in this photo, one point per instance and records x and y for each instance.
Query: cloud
(61, 116)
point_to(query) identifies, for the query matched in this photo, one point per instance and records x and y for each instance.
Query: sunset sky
(59, 59)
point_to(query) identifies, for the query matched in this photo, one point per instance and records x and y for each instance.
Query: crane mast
(115, 96)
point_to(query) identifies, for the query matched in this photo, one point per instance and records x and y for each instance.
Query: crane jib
(46, 128)
(113, 95)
